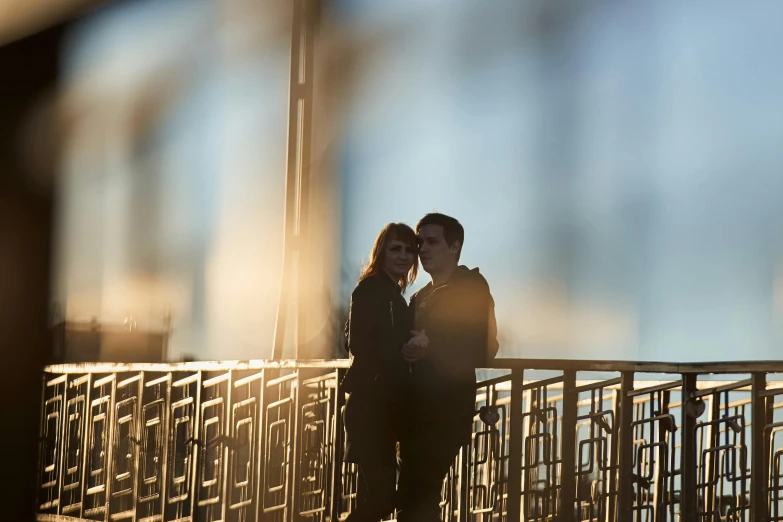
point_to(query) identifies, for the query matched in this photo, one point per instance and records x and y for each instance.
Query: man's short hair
(452, 229)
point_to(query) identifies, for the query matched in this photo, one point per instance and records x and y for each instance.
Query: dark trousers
(427, 451)
(376, 492)
(370, 426)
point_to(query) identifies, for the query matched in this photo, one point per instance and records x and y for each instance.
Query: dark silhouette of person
(379, 324)
(456, 312)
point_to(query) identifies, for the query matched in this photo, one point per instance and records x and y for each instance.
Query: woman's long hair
(391, 232)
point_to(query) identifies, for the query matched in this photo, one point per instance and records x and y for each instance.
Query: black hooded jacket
(379, 323)
(459, 320)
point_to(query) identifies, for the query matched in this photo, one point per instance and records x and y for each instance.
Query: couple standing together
(412, 377)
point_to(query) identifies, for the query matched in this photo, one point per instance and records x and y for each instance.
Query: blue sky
(618, 172)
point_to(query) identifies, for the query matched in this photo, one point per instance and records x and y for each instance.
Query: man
(456, 313)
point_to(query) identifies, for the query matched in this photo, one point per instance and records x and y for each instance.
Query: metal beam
(297, 186)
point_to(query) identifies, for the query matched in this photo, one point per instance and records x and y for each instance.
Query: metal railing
(263, 440)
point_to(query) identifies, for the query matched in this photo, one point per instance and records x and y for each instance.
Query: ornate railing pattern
(263, 441)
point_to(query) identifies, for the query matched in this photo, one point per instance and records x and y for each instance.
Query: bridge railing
(263, 440)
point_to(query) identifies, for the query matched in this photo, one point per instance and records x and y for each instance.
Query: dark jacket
(379, 323)
(459, 319)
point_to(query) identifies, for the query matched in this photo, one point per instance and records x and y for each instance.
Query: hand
(419, 339)
(412, 353)
(416, 348)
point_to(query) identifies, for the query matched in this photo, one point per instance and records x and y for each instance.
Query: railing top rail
(195, 366)
(725, 367)
(584, 365)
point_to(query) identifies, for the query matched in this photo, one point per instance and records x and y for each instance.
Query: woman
(378, 325)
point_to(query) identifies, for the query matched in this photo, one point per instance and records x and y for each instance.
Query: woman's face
(398, 258)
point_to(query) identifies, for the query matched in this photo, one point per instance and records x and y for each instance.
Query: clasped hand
(416, 347)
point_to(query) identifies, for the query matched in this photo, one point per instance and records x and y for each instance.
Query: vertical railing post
(260, 484)
(294, 471)
(625, 456)
(109, 442)
(568, 464)
(689, 501)
(42, 444)
(166, 429)
(515, 441)
(139, 435)
(85, 443)
(759, 476)
(337, 441)
(195, 449)
(62, 434)
(464, 484)
(227, 452)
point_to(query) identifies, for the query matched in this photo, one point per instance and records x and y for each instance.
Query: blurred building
(173, 187)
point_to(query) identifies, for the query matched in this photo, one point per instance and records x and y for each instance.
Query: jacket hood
(462, 275)
(471, 277)
(470, 273)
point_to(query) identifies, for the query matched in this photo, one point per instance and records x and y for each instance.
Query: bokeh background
(616, 167)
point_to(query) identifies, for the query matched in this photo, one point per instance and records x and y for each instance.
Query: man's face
(435, 254)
